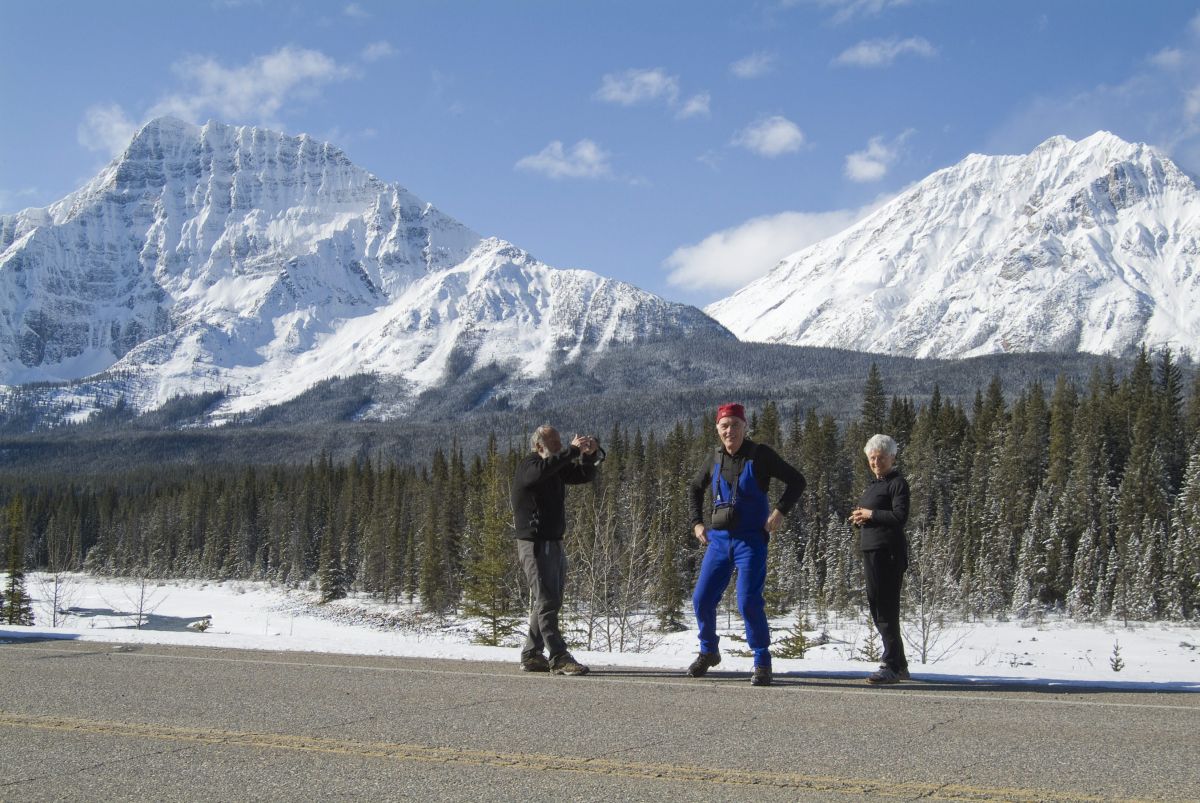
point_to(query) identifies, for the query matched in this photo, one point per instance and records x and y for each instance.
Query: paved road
(84, 720)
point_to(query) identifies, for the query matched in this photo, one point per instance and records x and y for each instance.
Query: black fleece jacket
(887, 499)
(539, 492)
(768, 465)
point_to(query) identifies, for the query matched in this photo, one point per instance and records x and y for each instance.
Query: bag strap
(736, 480)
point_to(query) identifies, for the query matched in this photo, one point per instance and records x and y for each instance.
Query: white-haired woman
(881, 514)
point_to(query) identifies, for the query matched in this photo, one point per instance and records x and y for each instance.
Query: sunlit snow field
(257, 615)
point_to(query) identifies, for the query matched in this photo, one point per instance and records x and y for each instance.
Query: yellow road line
(533, 761)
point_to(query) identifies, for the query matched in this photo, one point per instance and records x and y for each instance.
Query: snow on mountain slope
(217, 256)
(1090, 246)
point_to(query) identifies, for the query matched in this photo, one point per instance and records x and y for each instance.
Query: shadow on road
(925, 681)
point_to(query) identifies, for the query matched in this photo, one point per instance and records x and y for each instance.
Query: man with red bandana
(738, 475)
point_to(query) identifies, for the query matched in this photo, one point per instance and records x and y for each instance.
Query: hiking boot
(903, 674)
(566, 665)
(704, 661)
(883, 675)
(761, 677)
(535, 663)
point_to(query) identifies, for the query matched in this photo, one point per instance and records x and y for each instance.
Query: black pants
(545, 565)
(884, 569)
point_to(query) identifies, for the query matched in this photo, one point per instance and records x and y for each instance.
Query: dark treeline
(378, 418)
(1081, 497)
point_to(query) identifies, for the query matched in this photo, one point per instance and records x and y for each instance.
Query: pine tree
(1031, 575)
(434, 585)
(1191, 429)
(17, 605)
(332, 579)
(1085, 576)
(768, 430)
(1183, 579)
(873, 415)
(901, 420)
(1142, 514)
(1063, 403)
(674, 531)
(1170, 418)
(488, 586)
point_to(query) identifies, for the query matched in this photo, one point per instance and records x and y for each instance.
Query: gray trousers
(545, 565)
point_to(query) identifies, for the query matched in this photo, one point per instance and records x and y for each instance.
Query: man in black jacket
(738, 476)
(538, 499)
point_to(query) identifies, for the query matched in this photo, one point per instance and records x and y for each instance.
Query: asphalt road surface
(92, 721)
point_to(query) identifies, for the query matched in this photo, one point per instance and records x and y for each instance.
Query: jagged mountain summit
(1087, 246)
(213, 257)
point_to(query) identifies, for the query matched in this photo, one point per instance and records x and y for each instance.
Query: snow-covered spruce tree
(842, 586)
(1085, 576)
(329, 575)
(812, 596)
(1030, 577)
(1183, 575)
(1142, 515)
(17, 605)
(1145, 576)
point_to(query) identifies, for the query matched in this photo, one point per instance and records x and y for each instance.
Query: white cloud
(873, 162)
(732, 258)
(255, 92)
(846, 10)
(1169, 58)
(378, 50)
(585, 159)
(638, 86)
(754, 65)
(882, 52)
(106, 128)
(710, 158)
(356, 11)
(770, 137)
(695, 106)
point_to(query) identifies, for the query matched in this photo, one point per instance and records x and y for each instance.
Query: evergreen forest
(1082, 498)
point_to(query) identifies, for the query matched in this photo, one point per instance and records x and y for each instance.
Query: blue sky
(681, 146)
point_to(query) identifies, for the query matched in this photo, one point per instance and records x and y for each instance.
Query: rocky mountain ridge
(1089, 246)
(244, 260)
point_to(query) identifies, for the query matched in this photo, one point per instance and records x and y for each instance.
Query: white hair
(881, 443)
(537, 439)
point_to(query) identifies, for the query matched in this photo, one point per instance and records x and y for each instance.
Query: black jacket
(768, 465)
(887, 498)
(539, 492)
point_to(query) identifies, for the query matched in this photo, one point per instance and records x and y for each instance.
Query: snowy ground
(1157, 656)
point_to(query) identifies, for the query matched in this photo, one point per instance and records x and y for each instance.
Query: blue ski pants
(748, 553)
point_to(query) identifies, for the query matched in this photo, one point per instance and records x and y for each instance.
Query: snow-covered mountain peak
(220, 256)
(1087, 245)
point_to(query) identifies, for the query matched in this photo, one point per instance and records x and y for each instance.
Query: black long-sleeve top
(887, 499)
(768, 465)
(539, 492)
